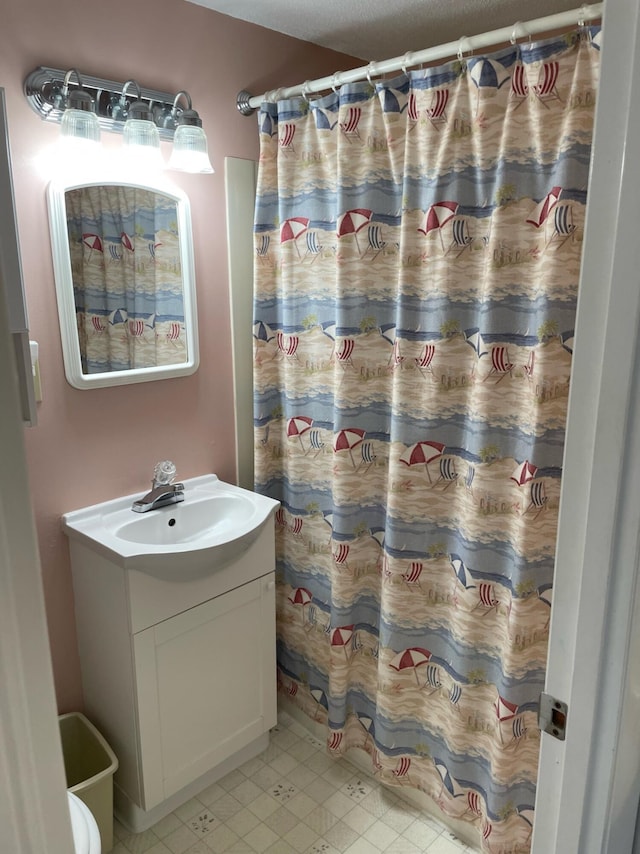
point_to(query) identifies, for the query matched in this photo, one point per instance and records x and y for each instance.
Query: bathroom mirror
(125, 286)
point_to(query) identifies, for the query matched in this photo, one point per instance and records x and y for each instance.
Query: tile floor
(293, 799)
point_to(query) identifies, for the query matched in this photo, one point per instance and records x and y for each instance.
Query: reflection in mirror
(124, 278)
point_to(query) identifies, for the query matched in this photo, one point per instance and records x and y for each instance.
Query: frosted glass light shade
(190, 150)
(80, 124)
(142, 141)
(141, 132)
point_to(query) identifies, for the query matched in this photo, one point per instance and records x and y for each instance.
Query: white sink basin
(216, 522)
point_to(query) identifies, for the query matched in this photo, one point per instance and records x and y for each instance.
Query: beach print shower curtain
(417, 256)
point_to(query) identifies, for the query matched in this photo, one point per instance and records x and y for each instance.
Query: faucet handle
(164, 472)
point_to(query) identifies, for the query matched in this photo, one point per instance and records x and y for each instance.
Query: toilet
(86, 836)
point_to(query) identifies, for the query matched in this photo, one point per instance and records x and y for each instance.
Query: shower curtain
(418, 247)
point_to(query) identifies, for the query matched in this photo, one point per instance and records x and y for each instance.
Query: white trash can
(89, 765)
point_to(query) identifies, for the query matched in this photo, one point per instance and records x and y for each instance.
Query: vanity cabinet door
(206, 684)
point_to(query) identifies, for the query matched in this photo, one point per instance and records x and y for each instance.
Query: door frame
(34, 811)
(588, 788)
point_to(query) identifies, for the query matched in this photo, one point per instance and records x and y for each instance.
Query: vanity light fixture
(190, 141)
(79, 121)
(152, 112)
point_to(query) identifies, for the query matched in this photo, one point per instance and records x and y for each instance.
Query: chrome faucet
(163, 490)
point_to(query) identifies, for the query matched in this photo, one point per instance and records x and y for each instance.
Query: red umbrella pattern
(292, 229)
(352, 222)
(412, 657)
(437, 215)
(505, 711)
(127, 242)
(348, 439)
(422, 453)
(544, 208)
(300, 596)
(341, 636)
(93, 242)
(525, 472)
(297, 426)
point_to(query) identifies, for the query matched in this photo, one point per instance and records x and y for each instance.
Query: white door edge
(578, 807)
(34, 811)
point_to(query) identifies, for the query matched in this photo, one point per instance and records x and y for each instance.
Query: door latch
(552, 716)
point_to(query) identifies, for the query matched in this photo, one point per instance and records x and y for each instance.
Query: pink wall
(93, 445)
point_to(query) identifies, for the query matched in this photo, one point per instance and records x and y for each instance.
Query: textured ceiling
(381, 29)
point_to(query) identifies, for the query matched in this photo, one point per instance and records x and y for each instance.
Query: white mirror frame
(64, 288)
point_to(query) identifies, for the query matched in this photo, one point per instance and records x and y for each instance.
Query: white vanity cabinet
(180, 676)
(201, 689)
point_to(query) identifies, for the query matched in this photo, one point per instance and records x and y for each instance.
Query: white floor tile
(322, 847)
(319, 763)
(301, 837)
(402, 846)
(201, 847)
(280, 847)
(263, 806)
(251, 766)
(380, 835)
(220, 840)
(357, 788)
(338, 774)
(320, 820)
(159, 848)
(211, 794)
(362, 846)
(320, 790)
(166, 825)
(261, 838)
(203, 823)
(359, 819)
(421, 834)
(188, 810)
(246, 792)
(138, 843)
(302, 776)
(338, 804)
(341, 836)
(294, 799)
(225, 807)
(180, 840)
(443, 846)
(232, 780)
(283, 764)
(302, 749)
(266, 777)
(283, 791)
(242, 822)
(285, 738)
(282, 821)
(301, 805)
(398, 818)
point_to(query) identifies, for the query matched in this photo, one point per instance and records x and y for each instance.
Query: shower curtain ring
(514, 34)
(462, 44)
(406, 61)
(336, 81)
(372, 68)
(583, 15)
(305, 90)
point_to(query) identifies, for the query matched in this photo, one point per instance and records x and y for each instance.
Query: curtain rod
(247, 104)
